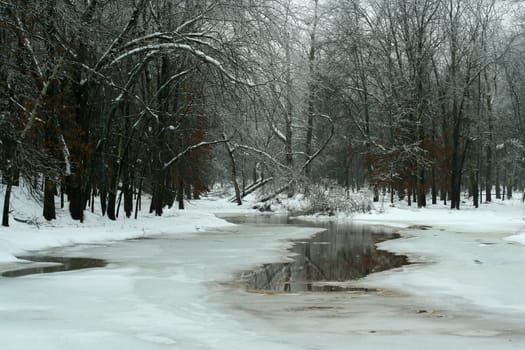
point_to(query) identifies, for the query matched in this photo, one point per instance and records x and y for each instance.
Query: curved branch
(263, 153)
(189, 149)
(175, 46)
(323, 146)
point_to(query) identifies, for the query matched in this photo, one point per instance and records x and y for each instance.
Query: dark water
(343, 252)
(60, 264)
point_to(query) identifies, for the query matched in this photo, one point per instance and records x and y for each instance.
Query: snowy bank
(466, 259)
(37, 234)
(498, 217)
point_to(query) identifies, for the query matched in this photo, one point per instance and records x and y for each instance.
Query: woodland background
(103, 101)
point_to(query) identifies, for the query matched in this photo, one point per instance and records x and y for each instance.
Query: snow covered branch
(195, 52)
(40, 100)
(278, 132)
(191, 148)
(264, 154)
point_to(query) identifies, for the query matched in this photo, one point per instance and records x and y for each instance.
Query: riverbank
(28, 231)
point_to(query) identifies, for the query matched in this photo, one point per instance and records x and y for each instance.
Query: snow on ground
(38, 234)
(464, 290)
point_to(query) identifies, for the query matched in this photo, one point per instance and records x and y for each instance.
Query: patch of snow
(519, 238)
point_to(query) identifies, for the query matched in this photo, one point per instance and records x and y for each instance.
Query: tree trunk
(443, 196)
(7, 200)
(103, 201)
(498, 184)
(112, 198)
(488, 175)
(92, 200)
(118, 203)
(113, 189)
(49, 211)
(234, 174)
(289, 114)
(76, 206)
(137, 202)
(455, 177)
(474, 188)
(157, 200)
(455, 185)
(421, 190)
(504, 188)
(128, 200)
(311, 92)
(187, 190)
(62, 192)
(376, 193)
(127, 191)
(434, 186)
(180, 194)
(253, 187)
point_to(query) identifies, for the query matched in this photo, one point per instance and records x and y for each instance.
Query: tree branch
(176, 46)
(327, 141)
(189, 149)
(265, 154)
(110, 52)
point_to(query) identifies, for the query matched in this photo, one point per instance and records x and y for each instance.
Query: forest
(103, 101)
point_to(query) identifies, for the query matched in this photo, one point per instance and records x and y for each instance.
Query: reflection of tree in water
(342, 253)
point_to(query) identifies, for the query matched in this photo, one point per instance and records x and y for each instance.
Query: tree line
(426, 84)
(102, 101)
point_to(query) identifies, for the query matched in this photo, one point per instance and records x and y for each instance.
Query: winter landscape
(262, 174)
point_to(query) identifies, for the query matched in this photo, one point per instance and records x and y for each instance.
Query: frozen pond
(340, 253)
(176, 292)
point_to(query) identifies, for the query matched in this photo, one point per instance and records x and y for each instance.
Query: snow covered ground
(176, 292)
(40, 234)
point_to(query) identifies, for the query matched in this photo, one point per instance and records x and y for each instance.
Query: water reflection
(60, 264)
(341, 253)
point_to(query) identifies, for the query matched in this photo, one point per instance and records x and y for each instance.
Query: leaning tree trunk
(234, 173)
